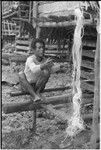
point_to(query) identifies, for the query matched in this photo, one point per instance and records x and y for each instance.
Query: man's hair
(34, 41)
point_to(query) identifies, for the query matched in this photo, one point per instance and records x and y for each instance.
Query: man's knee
(21, 74)
(46, 73)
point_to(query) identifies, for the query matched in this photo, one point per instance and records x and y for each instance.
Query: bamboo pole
(19, 14)
(38, 29)
(19, 93)
(95, 130)
(30, 20)
(30, 10)
(29, 105)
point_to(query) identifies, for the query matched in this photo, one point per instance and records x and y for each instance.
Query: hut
(55, 23)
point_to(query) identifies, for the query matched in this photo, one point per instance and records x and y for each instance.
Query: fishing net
(76, 122)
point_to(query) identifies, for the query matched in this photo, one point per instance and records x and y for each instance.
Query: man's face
(39, 52)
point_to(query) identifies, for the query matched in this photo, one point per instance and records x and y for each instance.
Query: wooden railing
(9, 28)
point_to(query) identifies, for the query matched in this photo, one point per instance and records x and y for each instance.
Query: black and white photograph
(50, 74)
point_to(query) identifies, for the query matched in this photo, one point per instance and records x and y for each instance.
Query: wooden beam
(19, 93)
(19, 47)
(87, 64)
(9, 15)
(48, 51)
(51, 55)
(63, 24)
(15, 57)
(57, 113)
(22, 42)
(87, 75)
(20, 19)
(28, 105)
(63, 115)
(87, 98)
(87, 86)
(89, 44)
(23, 38)
(10, 55)
(45, 2)
(88, 53)
(87, 101)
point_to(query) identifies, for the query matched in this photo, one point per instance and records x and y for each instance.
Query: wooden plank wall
(22, 44)
(87, 65)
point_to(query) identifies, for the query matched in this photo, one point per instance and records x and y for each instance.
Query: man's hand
(64, 66)
(47, 65)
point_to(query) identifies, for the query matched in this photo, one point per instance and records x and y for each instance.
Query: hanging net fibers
(76, 122)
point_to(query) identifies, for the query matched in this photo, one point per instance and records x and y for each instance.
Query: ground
(16, 133)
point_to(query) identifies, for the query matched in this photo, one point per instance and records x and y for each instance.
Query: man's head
(38, 47)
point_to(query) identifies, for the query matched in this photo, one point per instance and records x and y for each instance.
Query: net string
(76, 122)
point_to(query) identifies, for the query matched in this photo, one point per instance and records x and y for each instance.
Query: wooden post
(38, 29)
(30, 10)
(34, 14)
(95, 124)
(29, 19)
(19, 14)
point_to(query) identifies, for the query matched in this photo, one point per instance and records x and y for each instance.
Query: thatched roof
(62, 13)
(11, 8)
(57, 14)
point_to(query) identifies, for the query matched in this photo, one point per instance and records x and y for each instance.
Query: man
(37, 70)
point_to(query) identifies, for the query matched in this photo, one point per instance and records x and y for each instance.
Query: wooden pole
(29, 105)
(30, 19)
(38, 29)
(19, 15)
(95, 130)
(30, 10)
(19, 93)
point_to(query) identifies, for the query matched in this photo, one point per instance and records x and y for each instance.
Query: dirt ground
(50, 132)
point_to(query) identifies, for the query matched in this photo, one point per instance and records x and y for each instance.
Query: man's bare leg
(41, 83)
(28, 87)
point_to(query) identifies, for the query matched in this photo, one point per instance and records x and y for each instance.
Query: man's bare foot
(37, 98)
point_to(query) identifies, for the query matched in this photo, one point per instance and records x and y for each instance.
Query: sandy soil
(50, 131)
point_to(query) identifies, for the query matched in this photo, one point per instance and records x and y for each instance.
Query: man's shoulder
(31, 58)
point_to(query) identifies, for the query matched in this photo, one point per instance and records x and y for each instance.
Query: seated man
(37, 70)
